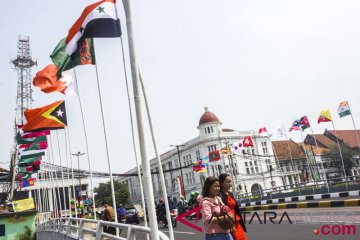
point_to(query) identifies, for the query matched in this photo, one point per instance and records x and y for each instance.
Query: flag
(324, 116)
(33, 146)
(263, 131)
(214, 156)
(98, 20)
(21, 140)
(48, 81)
(29, 161)
(237, 147)
(49, 117)
(304, 122)
(225, 150)
(34, 134)
(31, 156)
(84, 55)
(344, 109)
(295, 126)
(248, 142)
(281, 132)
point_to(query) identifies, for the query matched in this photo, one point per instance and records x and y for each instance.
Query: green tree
(347, 154)
(122, 195)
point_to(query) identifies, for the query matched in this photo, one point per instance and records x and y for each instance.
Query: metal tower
(23, 64)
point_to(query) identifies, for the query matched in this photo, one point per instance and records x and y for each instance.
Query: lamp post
(181, 173)
(78, 154)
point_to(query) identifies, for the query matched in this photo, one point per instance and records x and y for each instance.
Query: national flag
(237, 147)
(325, 116)
(84, 55)
(49, 117)
(98, 20)
(24, 176)
(295, 126)
(35, 162)
(304, 122)
(31, 156)
(263, 131)
(248, 142)
(281, 132)
(225, 150)
(48, 81)
(21, 140)
(34, 134)
(344, 109)
(214, 156)
(27, 183)
(33, 146)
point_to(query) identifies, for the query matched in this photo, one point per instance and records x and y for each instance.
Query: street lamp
(78, 154)
(181, 173)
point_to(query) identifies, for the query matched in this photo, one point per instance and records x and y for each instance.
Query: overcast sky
(253, 63)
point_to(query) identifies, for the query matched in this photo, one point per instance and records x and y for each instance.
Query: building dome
(208, 117)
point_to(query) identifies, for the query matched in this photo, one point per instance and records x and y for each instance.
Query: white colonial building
(252, 171)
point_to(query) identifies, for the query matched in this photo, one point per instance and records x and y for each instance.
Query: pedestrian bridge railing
(78, 228)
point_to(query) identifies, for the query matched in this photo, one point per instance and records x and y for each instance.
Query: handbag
(227, 222)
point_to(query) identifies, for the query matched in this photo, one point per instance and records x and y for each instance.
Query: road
(331, 223)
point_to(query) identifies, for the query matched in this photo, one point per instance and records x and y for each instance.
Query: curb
(319, 204)
(303, 198)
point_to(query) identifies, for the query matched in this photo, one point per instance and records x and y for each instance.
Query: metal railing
(78, 228)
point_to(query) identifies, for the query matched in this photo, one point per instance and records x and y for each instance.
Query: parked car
(132, 215)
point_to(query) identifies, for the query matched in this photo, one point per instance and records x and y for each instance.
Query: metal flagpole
(322, 164)
(62, 172)
(307, 160)
(87, 150)
(106, 145)
(72, 173)
(140, 124)
(341, 156)
(292, 163)
(134, 141)
(352, 118)
(162, 179)
(56, 176)
(67, 172)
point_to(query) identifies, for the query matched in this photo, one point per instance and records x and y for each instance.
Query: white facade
(252, 170)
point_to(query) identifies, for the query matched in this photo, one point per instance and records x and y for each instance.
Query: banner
(23, 205)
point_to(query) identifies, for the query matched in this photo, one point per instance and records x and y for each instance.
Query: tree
(347, 154)
(122, 195)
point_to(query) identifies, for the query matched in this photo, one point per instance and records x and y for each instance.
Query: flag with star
(49, 117)
(295, 126)
(304, 122)
(98, 20)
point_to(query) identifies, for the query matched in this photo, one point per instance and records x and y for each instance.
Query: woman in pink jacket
(211, 202)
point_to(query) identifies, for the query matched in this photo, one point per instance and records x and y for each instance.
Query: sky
(253, 63)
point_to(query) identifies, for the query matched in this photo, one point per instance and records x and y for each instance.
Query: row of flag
(98, 20)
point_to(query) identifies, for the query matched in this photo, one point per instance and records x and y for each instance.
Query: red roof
(208, 117)
(281, 150)
(347, 136)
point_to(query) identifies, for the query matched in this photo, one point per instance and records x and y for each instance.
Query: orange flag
(47, 81)
(49, 117)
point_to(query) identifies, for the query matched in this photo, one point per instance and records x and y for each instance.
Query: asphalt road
(331, 223)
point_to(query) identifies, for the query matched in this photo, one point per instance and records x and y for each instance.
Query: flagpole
(292, 162)
(56, 176)
(352, 118)
(87, 149)
(307, 160)
(162, 178)
(133, 139)
(106, 145)
(322, 164)
(67, 172)
(341, 156)
(62, 173)
(140, 124)
(72, 173)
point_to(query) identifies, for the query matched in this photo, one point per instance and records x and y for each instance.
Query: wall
(12, 224)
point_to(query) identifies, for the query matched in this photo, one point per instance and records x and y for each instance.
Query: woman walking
(228, 199)
(212, 205)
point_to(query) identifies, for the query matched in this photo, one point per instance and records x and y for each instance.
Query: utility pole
(181, 173)
(78, 154)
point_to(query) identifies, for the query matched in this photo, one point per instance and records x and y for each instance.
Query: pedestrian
(228, 199)
(109, 215)
(182, 205)
(121, 213)
(211, 205)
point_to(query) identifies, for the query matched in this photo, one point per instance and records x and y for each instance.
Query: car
(132, 215)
